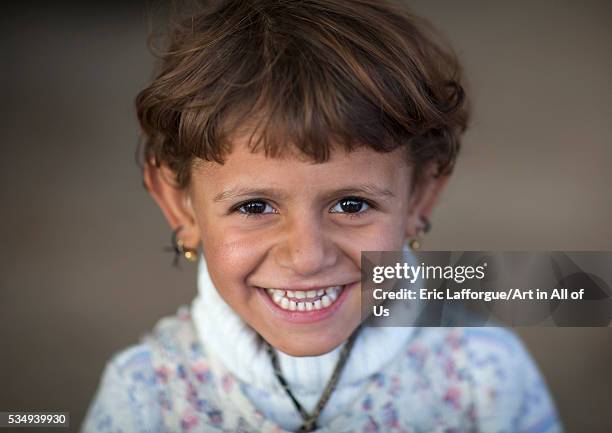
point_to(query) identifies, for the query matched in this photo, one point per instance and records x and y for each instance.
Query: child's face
(290, 224)
(283, 238)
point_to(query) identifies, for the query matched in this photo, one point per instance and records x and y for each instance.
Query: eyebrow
(237, 192)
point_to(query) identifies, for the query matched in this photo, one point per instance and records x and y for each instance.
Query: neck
(238, 346)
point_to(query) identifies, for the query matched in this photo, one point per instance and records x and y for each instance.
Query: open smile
(302, 300)
(305, 305)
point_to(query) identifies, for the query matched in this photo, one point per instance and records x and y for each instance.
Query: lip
(305, 316)
(298, 288)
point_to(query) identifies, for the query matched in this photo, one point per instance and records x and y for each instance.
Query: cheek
(230, 260)
(386, 235)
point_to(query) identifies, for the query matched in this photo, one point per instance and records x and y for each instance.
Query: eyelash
(361, 212)
(236, 209)
(368, 203)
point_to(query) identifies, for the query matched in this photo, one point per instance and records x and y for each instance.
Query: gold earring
(179, 248)
(415, 243)
(190, 254)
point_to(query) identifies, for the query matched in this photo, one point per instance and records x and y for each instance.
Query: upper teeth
(302, 300)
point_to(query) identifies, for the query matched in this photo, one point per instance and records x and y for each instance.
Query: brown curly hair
(311, 74)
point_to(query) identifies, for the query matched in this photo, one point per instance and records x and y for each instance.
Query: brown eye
(350, 205)
(255, 207)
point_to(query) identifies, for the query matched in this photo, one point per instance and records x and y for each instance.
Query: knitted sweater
(202, 371)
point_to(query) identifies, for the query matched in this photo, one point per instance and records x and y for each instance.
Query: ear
(423, 200)
(174, 202)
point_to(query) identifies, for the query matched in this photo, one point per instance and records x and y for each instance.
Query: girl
(282, 139)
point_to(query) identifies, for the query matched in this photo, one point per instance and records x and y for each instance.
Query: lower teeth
(296, 302)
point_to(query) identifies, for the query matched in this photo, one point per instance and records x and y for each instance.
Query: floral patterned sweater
(445, 380)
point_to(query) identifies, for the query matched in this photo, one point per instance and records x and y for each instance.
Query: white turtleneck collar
(236, 345)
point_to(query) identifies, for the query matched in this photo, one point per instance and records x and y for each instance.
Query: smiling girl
(283, 138)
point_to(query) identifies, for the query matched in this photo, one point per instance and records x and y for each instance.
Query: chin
(300, 351)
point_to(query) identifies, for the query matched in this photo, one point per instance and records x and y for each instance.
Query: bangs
(307, 76)
(305, 105)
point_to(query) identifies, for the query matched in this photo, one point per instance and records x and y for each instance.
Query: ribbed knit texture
(227, 336)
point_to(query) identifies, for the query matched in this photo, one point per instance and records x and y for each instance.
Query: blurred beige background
(82, 268)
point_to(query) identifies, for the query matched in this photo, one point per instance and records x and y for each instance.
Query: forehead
(242, 166)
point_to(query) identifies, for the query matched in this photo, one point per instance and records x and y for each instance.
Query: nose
(305, 248)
